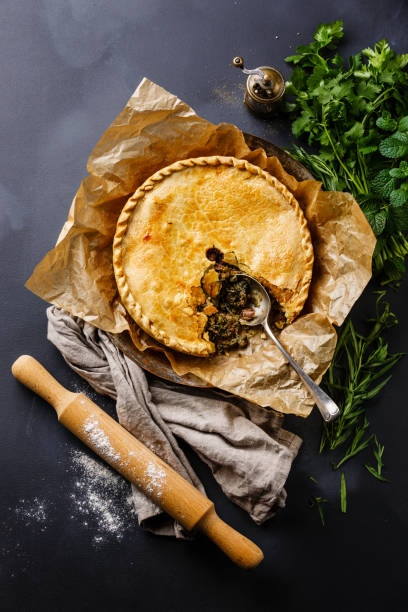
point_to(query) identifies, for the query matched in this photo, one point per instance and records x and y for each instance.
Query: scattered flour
(33, 511)
(101, 499)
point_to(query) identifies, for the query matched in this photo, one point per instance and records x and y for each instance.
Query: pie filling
(225, 298)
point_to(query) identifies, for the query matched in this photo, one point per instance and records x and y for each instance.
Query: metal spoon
(262, 306)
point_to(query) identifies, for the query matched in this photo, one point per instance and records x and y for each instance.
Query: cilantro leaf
(368, 90)
(379, 55)
(364, 73)
(355, 132)
(298, 80)
(401, 60)
(316, 78)
(302, 123)
(329, 33)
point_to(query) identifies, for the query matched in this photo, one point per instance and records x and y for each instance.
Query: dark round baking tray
(155, 361)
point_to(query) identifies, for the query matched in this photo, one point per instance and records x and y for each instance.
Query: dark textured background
(66, 70)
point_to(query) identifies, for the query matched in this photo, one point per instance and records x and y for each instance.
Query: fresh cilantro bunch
(344, 112)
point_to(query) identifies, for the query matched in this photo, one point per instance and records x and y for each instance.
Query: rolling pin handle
(237, 547)
(34, 376)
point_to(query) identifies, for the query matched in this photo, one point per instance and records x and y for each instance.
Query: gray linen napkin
(249, 453)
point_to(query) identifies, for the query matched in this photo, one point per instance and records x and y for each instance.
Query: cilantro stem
(379, 99)
(354, 179)
(363, 169)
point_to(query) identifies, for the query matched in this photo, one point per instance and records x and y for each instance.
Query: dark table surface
(67, 69)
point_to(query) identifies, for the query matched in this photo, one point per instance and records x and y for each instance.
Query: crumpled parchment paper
(154, 130)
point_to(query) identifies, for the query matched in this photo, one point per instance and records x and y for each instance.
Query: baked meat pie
(183, 234)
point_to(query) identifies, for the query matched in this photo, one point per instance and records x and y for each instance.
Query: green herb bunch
(347, 113)
(355, 117)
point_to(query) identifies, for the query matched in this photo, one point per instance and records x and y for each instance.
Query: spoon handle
(328, 409)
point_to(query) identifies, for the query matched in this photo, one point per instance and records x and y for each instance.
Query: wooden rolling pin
(136, 462)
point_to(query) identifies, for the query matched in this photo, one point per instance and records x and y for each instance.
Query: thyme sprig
(378, 451)
(318, 502)
(357, 374)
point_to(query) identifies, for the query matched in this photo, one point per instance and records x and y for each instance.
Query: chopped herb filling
(226, 299)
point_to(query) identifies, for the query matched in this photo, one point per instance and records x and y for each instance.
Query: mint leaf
(386, 122)
(398, 197)
(395, 146)
(401, 171)
(399, 218)
(403, 124)
(394, 268)
(377, 220)
(383, 184)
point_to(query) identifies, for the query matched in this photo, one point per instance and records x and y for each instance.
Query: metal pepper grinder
(265, 87)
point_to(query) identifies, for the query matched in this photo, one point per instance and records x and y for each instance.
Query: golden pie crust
(166, 227)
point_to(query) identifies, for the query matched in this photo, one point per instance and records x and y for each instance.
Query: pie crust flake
(166, 228)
